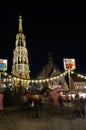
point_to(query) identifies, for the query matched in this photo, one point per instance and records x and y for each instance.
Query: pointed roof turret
(20, 67)
(20, 25)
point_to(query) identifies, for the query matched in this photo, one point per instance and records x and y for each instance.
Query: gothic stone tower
(20, 67)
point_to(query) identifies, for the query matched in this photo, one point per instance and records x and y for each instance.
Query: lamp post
(69, 79)
(69, 64)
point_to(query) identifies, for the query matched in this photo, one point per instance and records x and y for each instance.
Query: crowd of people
(33, 103)
(78, 104)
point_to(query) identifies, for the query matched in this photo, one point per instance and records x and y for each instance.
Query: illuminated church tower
(20, 67)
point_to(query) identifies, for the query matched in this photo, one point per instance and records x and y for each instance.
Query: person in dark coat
(82, 107)
(35, 107)
(77, 106)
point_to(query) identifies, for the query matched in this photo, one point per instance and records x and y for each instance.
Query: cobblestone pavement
(50, 119)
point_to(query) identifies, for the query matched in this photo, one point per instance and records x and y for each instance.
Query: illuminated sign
(3, 65)
(69, 64)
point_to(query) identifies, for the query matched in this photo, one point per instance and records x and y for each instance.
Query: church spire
(20, 25)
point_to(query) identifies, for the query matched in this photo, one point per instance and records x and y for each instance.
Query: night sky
(47, 27)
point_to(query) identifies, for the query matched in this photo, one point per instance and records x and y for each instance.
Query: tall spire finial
(20, 24)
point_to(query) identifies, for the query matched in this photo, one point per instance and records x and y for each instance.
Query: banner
(69, 64)
(3, 65)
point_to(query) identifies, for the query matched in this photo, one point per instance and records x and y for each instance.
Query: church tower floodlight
(20, 66)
